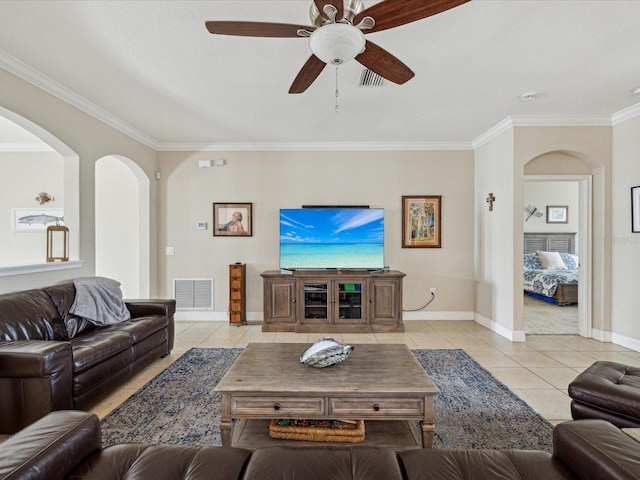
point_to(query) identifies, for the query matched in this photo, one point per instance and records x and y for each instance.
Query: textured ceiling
(152, 69)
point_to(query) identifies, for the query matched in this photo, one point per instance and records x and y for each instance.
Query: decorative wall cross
(490, 200)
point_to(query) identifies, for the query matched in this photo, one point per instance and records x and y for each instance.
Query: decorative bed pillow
(570, 260)
(531, 262)
(551, 261)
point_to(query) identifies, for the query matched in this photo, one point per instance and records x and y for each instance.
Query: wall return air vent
(193, 293)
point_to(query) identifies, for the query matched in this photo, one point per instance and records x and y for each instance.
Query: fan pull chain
(337, 108)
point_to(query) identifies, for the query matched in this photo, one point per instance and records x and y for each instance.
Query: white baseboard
(513, 335)
(211, 316)
(208, 315)
(601, 335)
(420, 315)
(628, 342)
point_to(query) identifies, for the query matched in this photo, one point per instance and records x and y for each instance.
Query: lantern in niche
(57, 243)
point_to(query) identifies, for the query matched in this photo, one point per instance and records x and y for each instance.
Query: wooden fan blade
(391, 13)
(380, 61)
(308, 73)
(339, 4)
(256, 29)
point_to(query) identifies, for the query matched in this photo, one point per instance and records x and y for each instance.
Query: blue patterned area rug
(473, 409)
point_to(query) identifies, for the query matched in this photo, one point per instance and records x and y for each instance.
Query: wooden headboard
(550, 242)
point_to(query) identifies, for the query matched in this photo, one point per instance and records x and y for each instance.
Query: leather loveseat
(66, 445)
(51, 360)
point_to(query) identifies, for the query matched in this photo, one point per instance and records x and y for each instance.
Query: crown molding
(313, 147)
(626, 114)
(493, 132)
(547, 121)
(22, 70)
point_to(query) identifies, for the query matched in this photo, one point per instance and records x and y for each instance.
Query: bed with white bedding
(551, 269)
(555, 285)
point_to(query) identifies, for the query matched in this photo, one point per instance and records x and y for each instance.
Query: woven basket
(343, 432)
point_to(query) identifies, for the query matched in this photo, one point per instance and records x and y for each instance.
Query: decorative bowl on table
(326, 352)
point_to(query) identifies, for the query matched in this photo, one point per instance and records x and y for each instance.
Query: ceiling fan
(337, 34)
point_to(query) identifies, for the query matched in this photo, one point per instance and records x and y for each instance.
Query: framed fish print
(421, 222)
(36, 219)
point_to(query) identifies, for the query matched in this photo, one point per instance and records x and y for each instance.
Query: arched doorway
(122, 224)
(571, 171)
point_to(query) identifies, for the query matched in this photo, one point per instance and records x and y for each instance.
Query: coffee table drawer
(371, 408)
(277, 406)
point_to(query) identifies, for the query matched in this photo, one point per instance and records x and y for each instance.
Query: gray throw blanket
(99, 301)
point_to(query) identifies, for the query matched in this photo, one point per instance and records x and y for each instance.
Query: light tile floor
(538, 370)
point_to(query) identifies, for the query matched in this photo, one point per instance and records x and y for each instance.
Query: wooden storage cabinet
(237, 293)
(280, 302)
(356, 302)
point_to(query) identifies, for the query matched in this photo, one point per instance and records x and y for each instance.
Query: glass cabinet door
(350, 302)
(316, 301)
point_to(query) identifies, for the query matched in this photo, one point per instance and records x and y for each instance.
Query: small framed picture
(421, 225)
(232, 219)
(36, 219)
(557, 214)
(635, 209)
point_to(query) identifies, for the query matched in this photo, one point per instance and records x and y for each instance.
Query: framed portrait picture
(421, 223)
(232, 219)
(557, 214)
(635, 209)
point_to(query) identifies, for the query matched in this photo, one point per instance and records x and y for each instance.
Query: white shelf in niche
(39, 267)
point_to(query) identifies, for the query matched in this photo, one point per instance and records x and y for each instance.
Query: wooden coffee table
(377, 382)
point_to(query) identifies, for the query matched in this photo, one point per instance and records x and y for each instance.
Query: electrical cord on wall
(433, 297)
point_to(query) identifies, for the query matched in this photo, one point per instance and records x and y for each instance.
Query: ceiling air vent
(370, 79)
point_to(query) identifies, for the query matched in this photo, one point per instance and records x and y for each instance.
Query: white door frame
(585, 226)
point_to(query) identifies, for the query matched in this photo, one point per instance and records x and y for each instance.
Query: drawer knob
(276, 406)
(376, 407)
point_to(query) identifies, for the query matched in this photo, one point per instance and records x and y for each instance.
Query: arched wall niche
(560, 163)
(122, 224)
(69, 163)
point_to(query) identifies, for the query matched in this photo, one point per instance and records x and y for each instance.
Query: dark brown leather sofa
(51, 360)
(67, 445)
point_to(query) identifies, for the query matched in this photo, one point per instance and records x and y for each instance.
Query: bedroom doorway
(554, 312)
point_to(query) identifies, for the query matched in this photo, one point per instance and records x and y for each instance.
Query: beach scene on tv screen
(332, 238)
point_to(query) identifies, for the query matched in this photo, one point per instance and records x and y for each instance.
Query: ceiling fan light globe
(337, 43)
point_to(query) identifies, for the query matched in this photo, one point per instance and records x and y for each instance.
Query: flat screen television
(332, 238)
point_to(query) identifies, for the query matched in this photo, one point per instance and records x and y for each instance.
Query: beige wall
(625, 305)
(494, 243)
(274, 180)
(91, 140)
